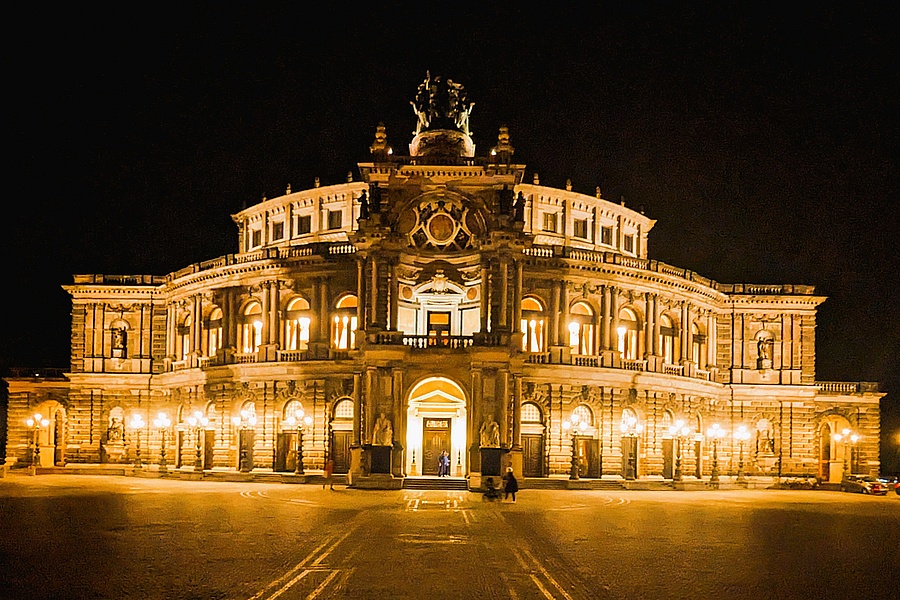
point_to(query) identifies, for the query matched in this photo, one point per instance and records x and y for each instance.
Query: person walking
(511, 484)
(329, 470)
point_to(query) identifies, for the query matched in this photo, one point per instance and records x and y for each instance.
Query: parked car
(863, 484)
(891, 483)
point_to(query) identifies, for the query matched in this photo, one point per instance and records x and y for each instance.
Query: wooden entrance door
(285, 451)
(588, 457)
(629, 457)
(435, 438)
(245, 450)
(532, 455)
(209, 448)
(668, 451)
(340, 450)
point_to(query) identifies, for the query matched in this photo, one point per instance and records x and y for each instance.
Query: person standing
(444, 464)
(329, 471)
(511, 484)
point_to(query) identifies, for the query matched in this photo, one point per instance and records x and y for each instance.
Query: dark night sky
(765, 146)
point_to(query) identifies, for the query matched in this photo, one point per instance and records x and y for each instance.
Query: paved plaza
(65, 536)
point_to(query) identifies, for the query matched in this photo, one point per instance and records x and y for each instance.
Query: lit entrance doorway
(834, 456)
(437, 421)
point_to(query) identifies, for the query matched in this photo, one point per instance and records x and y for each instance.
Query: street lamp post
(576, 426)
(715, 432)
(850, 438)
(742, 435)
(679, 431)
(36, 423)
(631, 429)
(162, 423)
(136, 424)
(198, 423)
(298, 420)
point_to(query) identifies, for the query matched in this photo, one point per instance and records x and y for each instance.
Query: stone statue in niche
(115, 434)
(490, 433)
(118, 342)
(764, 348)
(383, 433)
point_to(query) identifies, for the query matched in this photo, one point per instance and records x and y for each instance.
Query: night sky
(765, 145)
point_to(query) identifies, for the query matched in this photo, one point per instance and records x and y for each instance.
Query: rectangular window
(606, 235)
(277, 231)
(580, 228)
(304, 224)
(335, 219)
(550, 222)
(256, 238)
(628, 243)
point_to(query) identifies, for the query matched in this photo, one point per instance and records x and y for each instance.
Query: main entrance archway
(436, 421)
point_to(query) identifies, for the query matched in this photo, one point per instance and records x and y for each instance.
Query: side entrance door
(340, 450)
(532, 455)
(435, 438)
(668, 451)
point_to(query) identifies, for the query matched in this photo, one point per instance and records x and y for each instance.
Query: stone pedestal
(491, 465)
(380, 459)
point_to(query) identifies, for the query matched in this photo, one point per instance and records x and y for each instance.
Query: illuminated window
(550, 222)
(344, 410)
(584, 414)
(183, 340)
(531, 413)
(606, 235)
(532, 325)
(667, 420)
(251, 328)
(214, 332)
(580, 228)
(581, 328)
(627, 333)
(667, 335)
(304, 224)
(277, 231)
(343, 323)
(297, 319)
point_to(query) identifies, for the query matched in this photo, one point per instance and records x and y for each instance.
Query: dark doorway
(286, 451)
(698, 463)
(629, 457)
(435, 438)
(532, 455)
(59, 458)
(209, 448)
(340, 450)
(668, 452)
(245, 450)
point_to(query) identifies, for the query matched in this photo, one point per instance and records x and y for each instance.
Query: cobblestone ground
(67, 537)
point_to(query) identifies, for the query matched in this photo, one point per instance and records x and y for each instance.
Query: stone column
(656, 348)
(485, 298)
(503, 397)
(686, 331)
(517, 413)
(649, 326)
(324, 322)
(554, 313)
(517, 300)
(504, 292)
(171, 316)
(373, 291)
(357, 408)
(394, 297)
(361, 292)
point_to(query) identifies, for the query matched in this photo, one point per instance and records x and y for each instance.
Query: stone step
(435, 483)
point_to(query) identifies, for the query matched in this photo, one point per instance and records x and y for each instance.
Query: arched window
(532, 326)
(628, 334)
(343, 323)
(214, 332)
(183, 343)
(297, 319)
(666, 421)
(667, 338)
(293, 408)
(698, 346)
(581, 328)
(531, 413)
(251, 328)
(585, 415)
(343, 410)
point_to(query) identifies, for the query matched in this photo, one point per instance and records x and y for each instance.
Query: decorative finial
(288, 192)
(318, 183)
(503, 151)
(598, 192)
(568, 185)
(537, 180)
(379, 147)
(349, 176)
(622, 200)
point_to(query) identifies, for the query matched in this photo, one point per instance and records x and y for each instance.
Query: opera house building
(442, 300)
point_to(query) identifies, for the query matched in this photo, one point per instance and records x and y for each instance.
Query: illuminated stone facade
(444, 303)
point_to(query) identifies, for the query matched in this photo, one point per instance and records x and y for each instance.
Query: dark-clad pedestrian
(511, 484)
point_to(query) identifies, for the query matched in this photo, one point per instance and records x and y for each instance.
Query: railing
(538, 358)
(673, 369)
(430, 341)
(701, 374)
(38, 373)
(586, 361)
(847, 387)
(634, 365)
(244, 358)
(292, 355)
